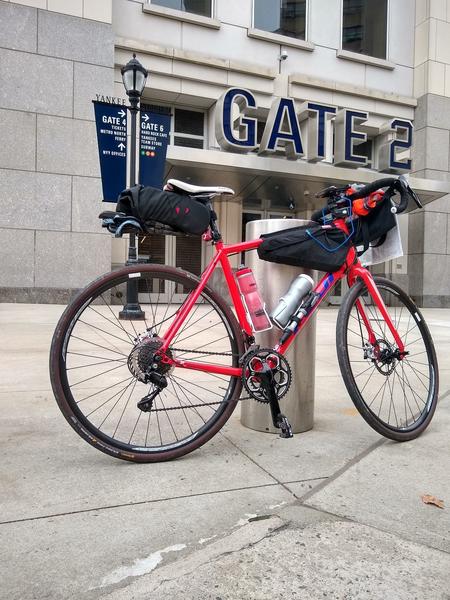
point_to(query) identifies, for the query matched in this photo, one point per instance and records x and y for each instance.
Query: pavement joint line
(259, 466)
(353, 461)
(141, 502)
(356, 459)
(444, 395)
(370, 526)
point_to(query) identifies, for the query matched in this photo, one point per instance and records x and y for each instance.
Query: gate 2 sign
(236, 131)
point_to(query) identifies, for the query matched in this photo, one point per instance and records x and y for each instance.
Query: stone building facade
(56, 55)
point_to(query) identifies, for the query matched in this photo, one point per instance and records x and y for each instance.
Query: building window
(364, 26)
(285, 17)
(188, 128)
(197, 7)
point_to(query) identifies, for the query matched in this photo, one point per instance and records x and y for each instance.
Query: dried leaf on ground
(427, 499)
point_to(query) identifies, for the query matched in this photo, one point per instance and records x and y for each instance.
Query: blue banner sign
(111, 121)
(155, 129)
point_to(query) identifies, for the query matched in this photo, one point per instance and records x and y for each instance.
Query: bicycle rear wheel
(97, 361)
(396, 397)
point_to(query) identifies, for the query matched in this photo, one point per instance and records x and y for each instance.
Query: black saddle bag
(311, 247)
(151, 205)
(374, 227)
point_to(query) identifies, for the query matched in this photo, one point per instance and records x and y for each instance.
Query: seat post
(216, 235)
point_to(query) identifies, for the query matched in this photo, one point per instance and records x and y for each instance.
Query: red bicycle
(157, 388)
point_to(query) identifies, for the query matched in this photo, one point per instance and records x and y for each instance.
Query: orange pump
(363, 206)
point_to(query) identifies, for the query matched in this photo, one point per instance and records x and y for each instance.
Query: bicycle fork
(376, 296)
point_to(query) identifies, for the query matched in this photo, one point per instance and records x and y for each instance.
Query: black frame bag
(308, 246)
(375, 226)
(150, 205)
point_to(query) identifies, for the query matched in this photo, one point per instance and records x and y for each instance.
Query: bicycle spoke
(98, 375)
(103, 331)
(104, 389)
(396, 392)
(189, 402)
(135, 426)
(124, 409)
(118, 324)
(179, 402)
(120, 393)
(103, 362)
(101, 379)
(115, 404)
(98, 346)
(365, 370)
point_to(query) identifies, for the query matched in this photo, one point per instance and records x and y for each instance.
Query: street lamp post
(134, 76)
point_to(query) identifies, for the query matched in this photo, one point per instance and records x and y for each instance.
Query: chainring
(281, 370)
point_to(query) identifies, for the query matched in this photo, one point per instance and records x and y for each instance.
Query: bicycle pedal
(286, 429)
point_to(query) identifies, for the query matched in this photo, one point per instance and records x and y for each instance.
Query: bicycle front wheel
(396, 396)
(98, 362)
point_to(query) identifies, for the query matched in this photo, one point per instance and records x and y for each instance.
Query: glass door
(177, 251)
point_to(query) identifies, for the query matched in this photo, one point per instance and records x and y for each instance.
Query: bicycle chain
(205, 403)
(204, 352)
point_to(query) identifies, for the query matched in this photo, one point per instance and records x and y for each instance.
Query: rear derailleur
(267, 376)
(160, 382)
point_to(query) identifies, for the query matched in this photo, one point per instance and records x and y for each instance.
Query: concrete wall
(54, 56)
(193, 59)
(429, 230)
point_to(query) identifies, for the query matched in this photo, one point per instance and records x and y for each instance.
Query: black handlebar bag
(308, 246)
(375, 226)
(150, 205)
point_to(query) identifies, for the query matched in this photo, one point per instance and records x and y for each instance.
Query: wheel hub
(144, 357)
(385, 357)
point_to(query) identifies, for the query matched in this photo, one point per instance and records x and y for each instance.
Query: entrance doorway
(178, 251)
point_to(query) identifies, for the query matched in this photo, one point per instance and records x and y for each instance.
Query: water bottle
(289, 303)
(253, 302)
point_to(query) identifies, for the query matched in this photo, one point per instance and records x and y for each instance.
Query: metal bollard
(273, 281)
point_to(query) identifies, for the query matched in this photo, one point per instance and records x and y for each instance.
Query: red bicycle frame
(352, 269)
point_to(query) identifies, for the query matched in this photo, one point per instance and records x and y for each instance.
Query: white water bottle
(289, 303)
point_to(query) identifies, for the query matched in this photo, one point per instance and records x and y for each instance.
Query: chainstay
(204, 352)
(194, 405)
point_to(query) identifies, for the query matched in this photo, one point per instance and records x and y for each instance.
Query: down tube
(322, 289)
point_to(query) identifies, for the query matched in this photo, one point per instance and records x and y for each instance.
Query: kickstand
(279, 420)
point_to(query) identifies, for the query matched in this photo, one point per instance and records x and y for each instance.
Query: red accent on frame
(208, 367)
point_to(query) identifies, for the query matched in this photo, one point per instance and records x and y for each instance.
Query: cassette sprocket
(253, 363)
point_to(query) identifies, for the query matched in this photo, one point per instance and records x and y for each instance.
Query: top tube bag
(151, 205)
(318, 247)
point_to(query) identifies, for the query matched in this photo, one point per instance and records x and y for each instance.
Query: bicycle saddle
(175, 185)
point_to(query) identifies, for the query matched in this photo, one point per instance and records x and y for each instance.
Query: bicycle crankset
(253, 365)
(267, 376)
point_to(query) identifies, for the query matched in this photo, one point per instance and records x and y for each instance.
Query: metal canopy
(256, 177)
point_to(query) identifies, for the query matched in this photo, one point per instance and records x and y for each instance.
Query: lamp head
(134, 76)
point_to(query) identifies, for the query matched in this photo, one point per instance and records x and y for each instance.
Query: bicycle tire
(74, 317)
(404, 388)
